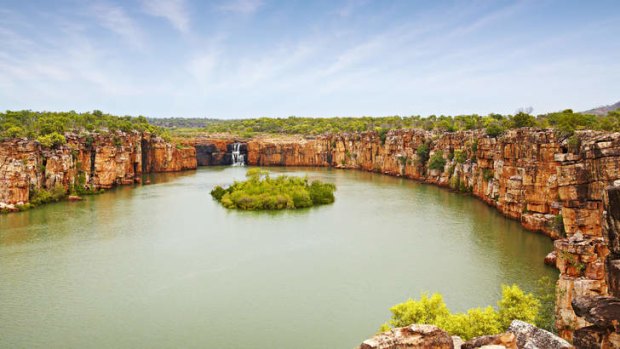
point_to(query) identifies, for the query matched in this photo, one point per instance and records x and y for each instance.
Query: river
(165, 266)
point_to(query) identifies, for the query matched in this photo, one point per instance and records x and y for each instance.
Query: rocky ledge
(519, 335)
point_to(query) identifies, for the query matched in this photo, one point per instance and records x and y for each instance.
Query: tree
(522, 119)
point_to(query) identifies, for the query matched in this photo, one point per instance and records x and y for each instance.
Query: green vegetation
(514, 305)
(423, 152)
(460, 156)
(545, 293)
(26, 123)
(437, 162)
(565, 122)
(79, 188)
(49, 127)
(42, 196)
(261, 192)
(487, 174)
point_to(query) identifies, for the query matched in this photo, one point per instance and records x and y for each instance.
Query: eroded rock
(414, 336)
(531, 337)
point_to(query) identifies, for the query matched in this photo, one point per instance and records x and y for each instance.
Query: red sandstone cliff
(96, 161)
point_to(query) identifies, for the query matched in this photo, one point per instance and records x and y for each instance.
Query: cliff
(91, 161)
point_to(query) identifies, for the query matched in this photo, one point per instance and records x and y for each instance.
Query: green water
(164, 266)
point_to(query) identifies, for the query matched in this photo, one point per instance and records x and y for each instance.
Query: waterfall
(237, 158)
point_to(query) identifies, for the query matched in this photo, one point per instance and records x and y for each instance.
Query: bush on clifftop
(261, 192)
(514, 305)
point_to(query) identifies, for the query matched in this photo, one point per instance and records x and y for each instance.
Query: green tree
(523, 119)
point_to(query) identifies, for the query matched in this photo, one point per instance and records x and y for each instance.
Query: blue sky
(249, 58)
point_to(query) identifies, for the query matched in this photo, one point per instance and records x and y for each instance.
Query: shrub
(15, 132)
(487, 174)
(522, 119)
(382, 132)
(53, 139)
(43, 196)
(514, 305)
(545, 293)
(495, 129)
(574, 143)
(460, 156)
(437, 162)
(423, 152)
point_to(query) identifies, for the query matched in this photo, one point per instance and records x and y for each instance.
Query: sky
(254, 58)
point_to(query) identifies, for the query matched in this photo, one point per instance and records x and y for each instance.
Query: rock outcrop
(603, 315)
(92, 161)
(520, 335)
(530, 336)
(410, 337)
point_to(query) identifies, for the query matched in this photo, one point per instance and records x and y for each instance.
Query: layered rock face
(560, 187)
(95, 161)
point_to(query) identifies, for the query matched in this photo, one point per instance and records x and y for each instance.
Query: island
(262, 192)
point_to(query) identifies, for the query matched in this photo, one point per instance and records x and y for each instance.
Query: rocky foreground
(602, 312)
(565, 187)
(519, 335)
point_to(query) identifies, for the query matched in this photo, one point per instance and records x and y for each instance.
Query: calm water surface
(164, 266)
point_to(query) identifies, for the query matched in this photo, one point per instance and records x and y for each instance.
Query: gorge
(565, 190)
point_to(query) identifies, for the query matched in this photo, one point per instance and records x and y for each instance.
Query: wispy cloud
(349, 7)
(115, 19)
(175, 11)
(241, 6)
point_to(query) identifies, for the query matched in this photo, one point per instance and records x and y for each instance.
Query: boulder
(74, 198)
(457, 341)
(600, 311)
(551, 258)
(531, 337)
(414, 336)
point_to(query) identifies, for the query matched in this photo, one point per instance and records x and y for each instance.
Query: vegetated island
(262, 192)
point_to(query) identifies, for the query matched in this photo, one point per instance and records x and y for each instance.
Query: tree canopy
(49, 127)
(565, 121)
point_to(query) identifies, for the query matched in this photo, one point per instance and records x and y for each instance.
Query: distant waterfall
(237, 158)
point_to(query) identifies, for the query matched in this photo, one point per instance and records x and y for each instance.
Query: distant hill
(602, 110)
